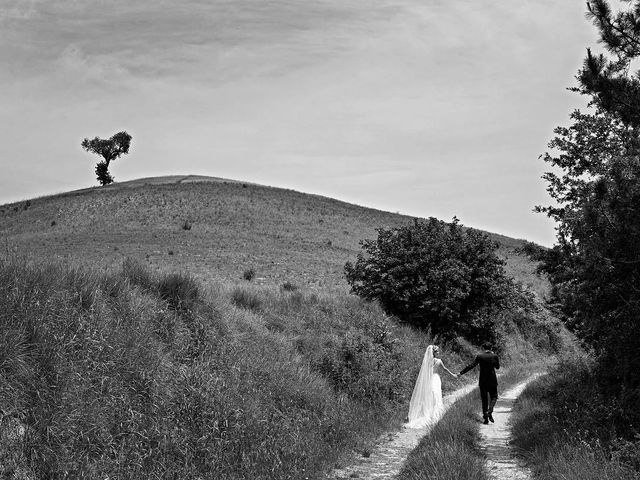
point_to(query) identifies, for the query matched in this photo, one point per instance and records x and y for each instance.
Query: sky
(423, 107)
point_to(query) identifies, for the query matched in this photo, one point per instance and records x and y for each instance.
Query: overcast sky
(425, 107)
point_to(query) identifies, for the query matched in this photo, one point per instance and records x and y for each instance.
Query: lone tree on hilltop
(109, 149)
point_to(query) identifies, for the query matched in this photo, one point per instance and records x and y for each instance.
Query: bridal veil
(423, 403)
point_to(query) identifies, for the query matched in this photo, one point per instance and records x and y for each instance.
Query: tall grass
(132, 374)
(561, 425)
(450, 450)
(139, 374)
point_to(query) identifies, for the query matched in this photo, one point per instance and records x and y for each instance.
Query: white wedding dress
(426, 404)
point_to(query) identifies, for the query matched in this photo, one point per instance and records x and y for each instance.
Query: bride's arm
(448, 371)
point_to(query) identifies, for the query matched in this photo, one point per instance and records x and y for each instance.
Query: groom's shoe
(486, 421)
(490, 417)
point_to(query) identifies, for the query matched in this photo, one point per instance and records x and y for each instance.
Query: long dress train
(426, 404)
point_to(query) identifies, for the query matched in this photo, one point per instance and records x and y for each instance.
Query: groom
(488, 382)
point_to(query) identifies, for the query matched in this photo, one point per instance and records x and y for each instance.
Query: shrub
(179, 290)
(363, 364)
(430, 274)
(249, 274)
(289, 287)
(186, 225)
(138, 274)
(534, 251)
(243, 298)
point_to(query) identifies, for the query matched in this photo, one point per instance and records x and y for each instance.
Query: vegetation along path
(495, 439)
(392, 449)
(387, 458)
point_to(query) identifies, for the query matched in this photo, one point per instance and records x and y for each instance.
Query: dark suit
(488, 381)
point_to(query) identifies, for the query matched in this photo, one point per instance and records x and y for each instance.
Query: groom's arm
(496, 363)
(469, 367)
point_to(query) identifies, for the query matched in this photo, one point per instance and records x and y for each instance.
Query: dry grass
(125, 370)
(559, 424)
(285, 236)
(133, 374)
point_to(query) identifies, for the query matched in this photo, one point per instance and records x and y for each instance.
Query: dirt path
(391, 450)
(502, 462)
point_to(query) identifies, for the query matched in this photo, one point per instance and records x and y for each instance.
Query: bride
(426, 401)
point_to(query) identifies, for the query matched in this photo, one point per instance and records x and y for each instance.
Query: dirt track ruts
(392, 448)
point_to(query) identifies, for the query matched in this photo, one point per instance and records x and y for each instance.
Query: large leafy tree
(595, 182)
(595, 266)
(431, 274)
(109, 149)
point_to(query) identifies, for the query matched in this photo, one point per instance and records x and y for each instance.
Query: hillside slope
(283, 235)
(139, 371)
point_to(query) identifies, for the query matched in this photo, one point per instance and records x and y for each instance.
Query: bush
(243, 298)
(186, 225)
(363, 364)
(179, 290)
(534, 251)
(249, 274)
(289, 287)
(430, 274)
(138, 274)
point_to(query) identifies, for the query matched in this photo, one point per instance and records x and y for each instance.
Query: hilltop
(118, 362)
(214, 228)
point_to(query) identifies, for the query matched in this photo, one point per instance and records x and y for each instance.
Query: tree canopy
(110, 149)
(607, 78)
(430, 274)
(595, 183)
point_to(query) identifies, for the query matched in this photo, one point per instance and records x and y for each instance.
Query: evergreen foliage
(609, 80)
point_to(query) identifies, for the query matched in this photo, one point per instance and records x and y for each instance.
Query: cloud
(394, 102)
(104, 69)
(18, 10)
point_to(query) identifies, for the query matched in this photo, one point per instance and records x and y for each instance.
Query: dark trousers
(489, 395)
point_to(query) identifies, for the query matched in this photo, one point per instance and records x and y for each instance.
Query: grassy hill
(283, 235)
(140, 352)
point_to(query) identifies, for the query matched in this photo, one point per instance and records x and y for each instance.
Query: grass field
(202, 328)
(136, 375)
(215, 229)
